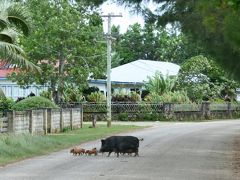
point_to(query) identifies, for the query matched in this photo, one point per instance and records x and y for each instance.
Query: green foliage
(152, 42)
(126, 97)
(96, 97)
(6, 105)
(72, 94)
(204, 80)
(2, 95)
(14, 22)
(168, 97)
(135, 97)
(35, 102)
(176, 97)
(153, 117)
(214, 25)
(90, 90)
(158, 84)
(153, 98)
(46, 94)
(123, 117)
(67, 43)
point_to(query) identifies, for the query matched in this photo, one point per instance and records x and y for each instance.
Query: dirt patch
(236, 156)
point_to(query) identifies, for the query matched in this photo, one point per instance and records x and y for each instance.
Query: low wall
(43, 121)
(163, 112)
(3, 124)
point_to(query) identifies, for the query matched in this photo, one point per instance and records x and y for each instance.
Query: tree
(214, 23)
(203, 79)
(159, 84)
(163, 89)
(67, 43)
(14, 21)
(154, 43)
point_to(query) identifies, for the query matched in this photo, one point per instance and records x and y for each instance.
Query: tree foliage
(214, 23)
(66, 42)
(154, 43)
(33, 103)
(203, 79)
(14, 22)
(160, 84)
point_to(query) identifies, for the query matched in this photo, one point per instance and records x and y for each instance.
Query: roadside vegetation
(21, 146)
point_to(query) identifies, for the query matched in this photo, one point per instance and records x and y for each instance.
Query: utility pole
(109, 49)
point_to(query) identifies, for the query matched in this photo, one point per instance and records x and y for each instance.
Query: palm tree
(14, 21)
(159, 84)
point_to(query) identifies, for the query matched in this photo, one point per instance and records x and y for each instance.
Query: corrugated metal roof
(5, 72)
(138, 71)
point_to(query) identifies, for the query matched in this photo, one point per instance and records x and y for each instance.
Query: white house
(131, 76)
(127, 77)
(12, 89)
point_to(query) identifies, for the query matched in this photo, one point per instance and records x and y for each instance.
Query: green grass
(17, 147)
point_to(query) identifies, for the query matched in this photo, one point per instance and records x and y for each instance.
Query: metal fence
(122, 107)
(151, 107)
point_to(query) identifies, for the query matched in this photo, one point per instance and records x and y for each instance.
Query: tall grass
(18, 147)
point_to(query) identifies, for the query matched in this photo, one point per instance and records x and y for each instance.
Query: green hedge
(35, 102)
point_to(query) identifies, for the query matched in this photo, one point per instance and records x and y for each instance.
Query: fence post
(49, 120)
(45, 121)
(11, 116)
(31, 122)
(206, 112)
(168, 110)
(229, 108)
(81, 116)
(71, 119)
(61, 120)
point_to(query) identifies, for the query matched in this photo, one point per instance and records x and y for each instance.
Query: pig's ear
(103, 141)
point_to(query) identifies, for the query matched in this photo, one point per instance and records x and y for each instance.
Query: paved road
(170, 151)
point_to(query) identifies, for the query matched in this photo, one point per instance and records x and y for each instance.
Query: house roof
(6, 69)
(5, 72)
(139, 71)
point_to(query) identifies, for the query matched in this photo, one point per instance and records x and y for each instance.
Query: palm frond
(8, 35)
(20, 17)
(14, 55)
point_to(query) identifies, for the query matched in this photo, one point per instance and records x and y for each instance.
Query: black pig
(120, 144)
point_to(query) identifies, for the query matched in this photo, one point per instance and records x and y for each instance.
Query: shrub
(46, 94)
(126, 97)
(34, 102)
(123, 117)
(135, 97)
(71, 94)
(5, 105)
(168, 97)
(96, 97)
(90, 90)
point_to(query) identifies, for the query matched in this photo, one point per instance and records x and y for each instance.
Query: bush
(35, 102)
(126, 97)
(168, 97)
(96, 97)
(72, 95)
(46, 94)
(123, 117)
(5, 105)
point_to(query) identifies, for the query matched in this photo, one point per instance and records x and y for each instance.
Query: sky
(127, 17)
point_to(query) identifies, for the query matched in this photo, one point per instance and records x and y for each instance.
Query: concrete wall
(44, 120)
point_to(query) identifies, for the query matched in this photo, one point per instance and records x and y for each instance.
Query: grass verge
(17, 147)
